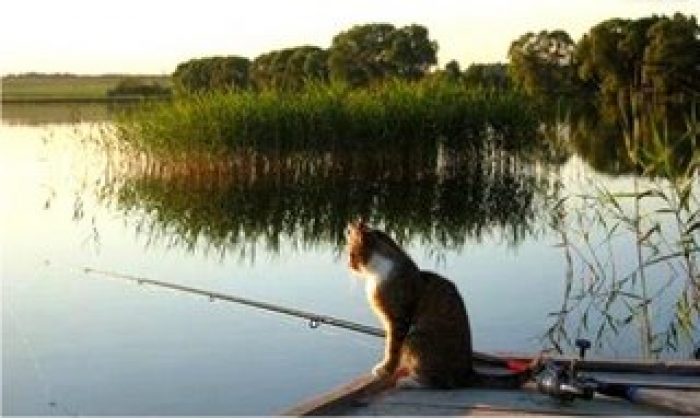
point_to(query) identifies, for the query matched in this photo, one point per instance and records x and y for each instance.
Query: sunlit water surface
(79, 344)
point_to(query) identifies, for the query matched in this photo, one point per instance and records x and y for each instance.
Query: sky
(153, 36)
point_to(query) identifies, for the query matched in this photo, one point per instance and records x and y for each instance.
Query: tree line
(657, 53)
(359, 56)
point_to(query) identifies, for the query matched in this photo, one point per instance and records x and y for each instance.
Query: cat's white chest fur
(377, 270)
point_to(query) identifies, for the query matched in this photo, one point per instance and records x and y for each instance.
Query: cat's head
(372, 249)
(359, 244)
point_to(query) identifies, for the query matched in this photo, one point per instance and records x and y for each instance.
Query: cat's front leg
(395, 336)
(384, 369)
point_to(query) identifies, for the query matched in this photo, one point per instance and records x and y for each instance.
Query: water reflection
(229, 213)
(618, 141)
(494, 199)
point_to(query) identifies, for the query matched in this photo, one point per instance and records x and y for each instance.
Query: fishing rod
(554, 379)
(315, 320)
(565, 383)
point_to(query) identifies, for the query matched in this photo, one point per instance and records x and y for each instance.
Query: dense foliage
(213, 73)
(138, 87)
(657, 54)
(366, 53)
(543, 62)
(653, 54)
(358, 57)
(290, 68)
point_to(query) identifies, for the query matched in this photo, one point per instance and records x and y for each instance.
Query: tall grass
(408, 118)
(635, 252)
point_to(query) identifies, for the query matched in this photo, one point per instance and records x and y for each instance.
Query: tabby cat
(423, 315)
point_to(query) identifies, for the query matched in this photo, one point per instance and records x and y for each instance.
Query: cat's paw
(409, 381)
(383, 370)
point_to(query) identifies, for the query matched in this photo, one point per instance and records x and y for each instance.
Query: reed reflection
(310, 204)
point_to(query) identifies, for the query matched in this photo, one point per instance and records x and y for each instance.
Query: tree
(230, 73)
(289, 68)
(653, 53)
(367, 53)
(543, 62)
(188, 77)
(672, 56)
(410, 53)
(356, 55)
(452, 70)
(316, 65)
(492, 76)
(136, 86)
(611, 54)
(212, 73)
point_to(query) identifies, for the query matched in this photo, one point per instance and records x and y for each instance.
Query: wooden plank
(672, 401)
(341, 398)
(476, 401)
(368, 395)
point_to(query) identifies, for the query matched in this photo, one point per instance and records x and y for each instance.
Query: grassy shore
(60, 88)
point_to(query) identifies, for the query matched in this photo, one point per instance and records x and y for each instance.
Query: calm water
(78, 344)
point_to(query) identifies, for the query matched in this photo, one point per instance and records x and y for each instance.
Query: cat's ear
(353, 229)
(358, 225)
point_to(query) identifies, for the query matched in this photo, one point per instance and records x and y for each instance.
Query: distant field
(43, 88)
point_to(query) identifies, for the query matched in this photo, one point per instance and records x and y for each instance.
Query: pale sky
(153, 36)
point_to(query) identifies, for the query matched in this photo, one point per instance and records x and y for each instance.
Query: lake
(79, 344)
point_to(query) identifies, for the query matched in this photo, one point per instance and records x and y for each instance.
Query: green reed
(410, 117)
(656, 293)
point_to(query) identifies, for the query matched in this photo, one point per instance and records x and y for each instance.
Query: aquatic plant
(632, 255)
(397, 117)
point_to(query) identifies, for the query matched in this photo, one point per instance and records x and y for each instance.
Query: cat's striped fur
(423, 315)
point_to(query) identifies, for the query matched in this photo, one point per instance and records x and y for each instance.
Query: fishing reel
(566, 383)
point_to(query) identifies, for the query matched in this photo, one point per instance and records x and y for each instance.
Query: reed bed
(408, 118)
(632, 254)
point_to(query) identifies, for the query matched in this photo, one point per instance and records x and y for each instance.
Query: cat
(423, 315)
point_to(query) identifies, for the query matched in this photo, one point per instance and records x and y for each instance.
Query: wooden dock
(674, 388)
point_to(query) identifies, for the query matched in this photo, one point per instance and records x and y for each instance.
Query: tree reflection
(628, 139)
